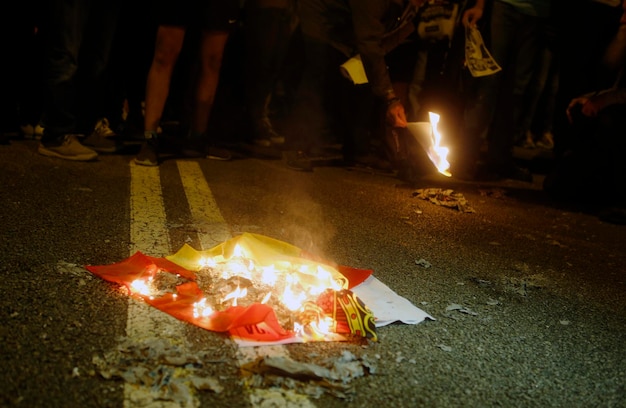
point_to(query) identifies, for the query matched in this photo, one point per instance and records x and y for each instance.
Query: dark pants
(268, 33)
(514, 47)
(328, 108)
(79, 36)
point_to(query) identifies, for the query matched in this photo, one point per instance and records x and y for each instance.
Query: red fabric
(257, 322)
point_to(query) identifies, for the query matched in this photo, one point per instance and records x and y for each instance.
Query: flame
(201, 309)
(438, 154)
(141, 287)
(236, 294)
(289, 280)
(269, 275)
(315, 330)
(207, 263)
(291, 299)
(323, 326)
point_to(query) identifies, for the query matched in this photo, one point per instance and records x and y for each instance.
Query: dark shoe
(194, 148)
(509, 171)
(297, 160)
(614, 215)
(101, 143)
(217, 153)
(4, 139)
(68, 148)
(518, 173)
(149, 153)
(547, 141)
(103, 139)
(262, 142)
(368, 161)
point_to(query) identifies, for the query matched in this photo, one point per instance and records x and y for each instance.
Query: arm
(592, 104)
(472, 15)
(369, 32)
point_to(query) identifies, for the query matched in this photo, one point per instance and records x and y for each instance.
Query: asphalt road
(528, 296)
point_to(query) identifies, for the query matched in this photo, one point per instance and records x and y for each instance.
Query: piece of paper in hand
(477, 57)
(353, 70)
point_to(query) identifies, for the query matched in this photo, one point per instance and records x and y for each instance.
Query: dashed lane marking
(149, 235)
(212, 231)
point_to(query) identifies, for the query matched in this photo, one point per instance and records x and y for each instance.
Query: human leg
(168, 44)
(268, 31)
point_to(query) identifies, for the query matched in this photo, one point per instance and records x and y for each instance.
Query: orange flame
(201, 309)
(236, 294)
(438, 154)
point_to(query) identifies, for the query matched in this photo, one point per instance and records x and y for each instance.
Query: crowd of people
(87, 76)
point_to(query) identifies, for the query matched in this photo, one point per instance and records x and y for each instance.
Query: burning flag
(253, 287)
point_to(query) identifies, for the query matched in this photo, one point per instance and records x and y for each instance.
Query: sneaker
(517, 173)
(265, 135)
(149, 153)
(69, 148)
(193, 148)
(297, 160)
(370, 161)
(547, 141)
(262, 142)
(217, 153)
(103, 128)
(528, 142)
(102, 139)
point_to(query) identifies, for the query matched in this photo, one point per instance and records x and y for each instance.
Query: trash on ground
(446, 198)
(308, 378)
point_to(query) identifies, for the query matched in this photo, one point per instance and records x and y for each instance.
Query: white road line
(149, 235)
(207, 217)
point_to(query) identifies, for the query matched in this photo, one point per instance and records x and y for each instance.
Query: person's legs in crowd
(215, 19)
(130, 59)
(212, 45)
(309, 120)
(268, 27)
(536, 122)
(66, 57)
(169, 43)
(510, 32)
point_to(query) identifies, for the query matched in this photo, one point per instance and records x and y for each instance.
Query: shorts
(212, 15)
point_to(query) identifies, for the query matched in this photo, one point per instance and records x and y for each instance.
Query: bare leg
(211, 53)
(169, 42)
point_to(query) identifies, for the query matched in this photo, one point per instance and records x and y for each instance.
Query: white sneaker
(32, 132)
(103, 129)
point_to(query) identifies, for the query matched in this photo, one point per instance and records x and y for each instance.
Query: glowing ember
(438, 154)
(201, 309)
(141, 287)
(236, 294)
(290, 284)
(291, 299)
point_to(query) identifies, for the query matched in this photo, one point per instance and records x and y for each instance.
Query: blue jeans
(79, 38)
